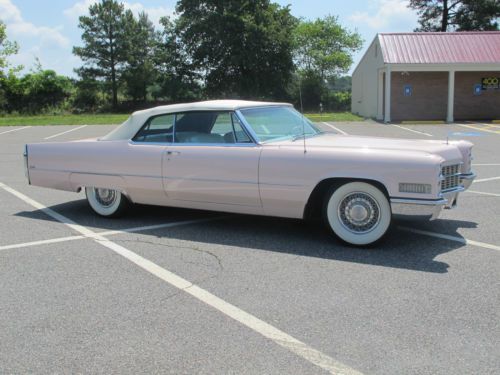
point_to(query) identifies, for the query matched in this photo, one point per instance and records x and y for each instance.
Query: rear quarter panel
(133, 169)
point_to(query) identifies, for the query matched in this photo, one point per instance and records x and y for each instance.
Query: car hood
(448, 150)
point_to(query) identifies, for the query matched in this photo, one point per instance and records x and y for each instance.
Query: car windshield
(278, 123)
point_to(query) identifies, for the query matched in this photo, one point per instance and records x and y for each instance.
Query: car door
(212, 160)
(144, 157)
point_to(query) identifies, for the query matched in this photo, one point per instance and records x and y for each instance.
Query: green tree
(87, 94)
(7, 49)
(323, 51)
(323, 47)
(242, 48)
(106, 42)
(177, 77)
(140, 72)
(478, 15)
(37, 91)
(456, 15)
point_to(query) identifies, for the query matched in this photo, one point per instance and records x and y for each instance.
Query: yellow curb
(496, 121)
(491, 125)
(430, 122)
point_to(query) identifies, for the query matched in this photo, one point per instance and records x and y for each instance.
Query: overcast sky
(48, 29)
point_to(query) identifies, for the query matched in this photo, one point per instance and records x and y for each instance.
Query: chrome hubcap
(359, 212)
(105, 197)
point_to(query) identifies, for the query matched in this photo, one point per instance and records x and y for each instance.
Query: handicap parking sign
(408, 90)
(478, 88)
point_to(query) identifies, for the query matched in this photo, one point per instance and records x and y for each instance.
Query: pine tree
(106, 40)
(456, 15)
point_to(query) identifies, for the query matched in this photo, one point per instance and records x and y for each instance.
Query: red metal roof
(441, 48)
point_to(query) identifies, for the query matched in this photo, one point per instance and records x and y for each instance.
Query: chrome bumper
(429, 209)
(466, 179)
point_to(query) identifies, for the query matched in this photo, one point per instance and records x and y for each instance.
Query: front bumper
(429, 209)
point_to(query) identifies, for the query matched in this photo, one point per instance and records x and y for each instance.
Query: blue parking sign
(408, 90)
(478, 88)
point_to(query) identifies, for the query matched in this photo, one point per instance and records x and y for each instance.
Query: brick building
(429, 76)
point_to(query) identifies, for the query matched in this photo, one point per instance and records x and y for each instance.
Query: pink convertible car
(257, 158)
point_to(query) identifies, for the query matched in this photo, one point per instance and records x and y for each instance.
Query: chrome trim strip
(207, 180)
(26, 169)
(94, 173)
(457, 189)
(468, 176)
(425, 202)
(160, 177)
(172, 144)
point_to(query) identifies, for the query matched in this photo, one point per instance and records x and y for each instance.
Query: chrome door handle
(173, 152)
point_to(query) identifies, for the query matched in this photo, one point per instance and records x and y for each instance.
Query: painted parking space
(482, 127)
(107, 316)
(65, 132)
(20, 223)
(274, 334)
(13, 129)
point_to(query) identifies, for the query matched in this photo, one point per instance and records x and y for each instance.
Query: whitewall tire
(106, 202)
(358, 213)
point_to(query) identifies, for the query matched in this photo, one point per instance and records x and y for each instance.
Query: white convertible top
(132, 125)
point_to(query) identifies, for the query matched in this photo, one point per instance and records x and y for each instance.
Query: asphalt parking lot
(177, 291)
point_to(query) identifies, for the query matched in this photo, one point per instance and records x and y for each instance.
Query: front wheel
(106, 202)
(358, 213)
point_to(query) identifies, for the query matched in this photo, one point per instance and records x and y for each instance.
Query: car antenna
(302, 113)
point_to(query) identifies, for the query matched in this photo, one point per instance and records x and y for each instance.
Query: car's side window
(208, 128)
(222, 125)
(157, 129)
(239, 134)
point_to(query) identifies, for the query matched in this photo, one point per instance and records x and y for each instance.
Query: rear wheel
(358, 213)
(106, 202)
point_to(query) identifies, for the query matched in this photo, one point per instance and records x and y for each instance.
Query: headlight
(406, 187)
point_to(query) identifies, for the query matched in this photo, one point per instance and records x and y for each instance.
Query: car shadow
(399, 249)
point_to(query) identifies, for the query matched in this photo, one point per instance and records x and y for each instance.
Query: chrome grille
(451, 177)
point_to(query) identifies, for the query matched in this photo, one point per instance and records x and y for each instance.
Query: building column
(387, 97)
(380, 96)
(451, 95)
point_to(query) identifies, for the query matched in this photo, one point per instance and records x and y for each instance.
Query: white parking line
(67, 131)
(108, 233)
(482, 193)
(461, 240)
(412, 130)
(486, 165)
(274, 334)
(335, 128)
(160, 226)
(487, 179)
(15, 130)
(42, 242)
